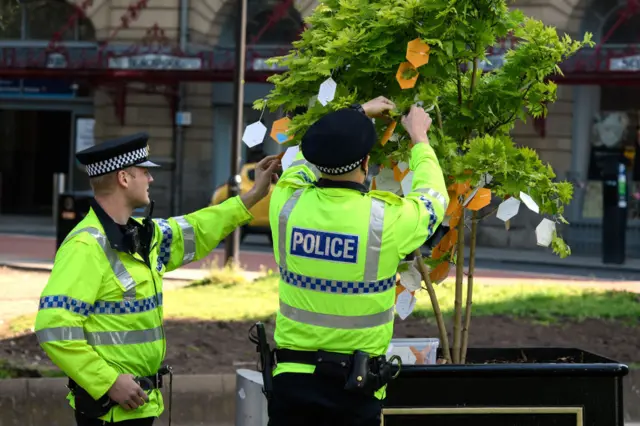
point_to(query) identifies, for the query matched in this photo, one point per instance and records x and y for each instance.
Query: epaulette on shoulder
(386, 196)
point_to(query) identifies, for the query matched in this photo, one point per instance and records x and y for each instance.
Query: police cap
(339, 141)
(116, 154)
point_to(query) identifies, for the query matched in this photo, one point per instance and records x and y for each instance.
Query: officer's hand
(266, 174)
(375, 107)
(127, 392)
(417, 124)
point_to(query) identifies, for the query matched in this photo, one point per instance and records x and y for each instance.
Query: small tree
(431, 51)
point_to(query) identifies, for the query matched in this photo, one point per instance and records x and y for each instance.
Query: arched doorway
(264, 39)
(606, 122)
(39, 117)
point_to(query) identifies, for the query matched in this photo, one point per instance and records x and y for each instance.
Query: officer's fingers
(143, 395)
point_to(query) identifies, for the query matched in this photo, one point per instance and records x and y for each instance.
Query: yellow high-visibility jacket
(101, 311)
(338, 248)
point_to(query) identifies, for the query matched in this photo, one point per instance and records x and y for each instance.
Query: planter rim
(514, 369)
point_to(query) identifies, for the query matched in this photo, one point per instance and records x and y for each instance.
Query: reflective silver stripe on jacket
(435, 194)
(336, 321)
(60, 333)
(189, 239)
(374, 241)
(99, 338)
(114, 261)
(282, 226)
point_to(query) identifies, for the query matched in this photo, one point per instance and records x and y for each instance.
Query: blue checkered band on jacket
(118, 162)
(305, 177)
(432, 213)
(100, 306)
(341, 287)
(164, 251)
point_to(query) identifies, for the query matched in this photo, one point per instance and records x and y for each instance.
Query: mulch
(213, 347)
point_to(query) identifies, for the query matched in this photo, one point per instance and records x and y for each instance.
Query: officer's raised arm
(193, 236)
(425, 206)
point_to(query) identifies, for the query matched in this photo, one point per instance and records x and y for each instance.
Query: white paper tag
(327, 91)
(485, 180)
(289, 156)
(411, 279)
(544, 232)
(254, 134)
(508, 209)
(405, 304)
(406, 183)
(402, 166)
(528, 201)
(386, 182)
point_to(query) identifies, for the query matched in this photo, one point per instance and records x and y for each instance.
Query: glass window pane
(10, 20)
(45, 18)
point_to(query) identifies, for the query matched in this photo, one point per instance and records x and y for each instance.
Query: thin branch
(442, 328)
(457, 319)
(472, 266)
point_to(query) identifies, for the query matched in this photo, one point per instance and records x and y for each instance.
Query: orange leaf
(418, 52)
(279, 130)
(480, 200)
(388, 133)
(440, 273)
(455, 218)
(454, 204)
(448, 241)
(406, 83)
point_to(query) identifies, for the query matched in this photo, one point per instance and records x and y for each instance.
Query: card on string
(405, 304)
(508, 209)
(289, 156)
(544, 232)
(529, 202)
(327, 91)
(279, 130)
(254, 134)
(407, 75)
(407, 182)
(418, 52)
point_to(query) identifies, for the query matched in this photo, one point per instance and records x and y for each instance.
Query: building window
(40, 20)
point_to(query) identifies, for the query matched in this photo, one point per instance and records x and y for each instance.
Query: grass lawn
(542, 302)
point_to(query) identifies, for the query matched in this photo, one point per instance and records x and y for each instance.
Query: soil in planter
(212, 347)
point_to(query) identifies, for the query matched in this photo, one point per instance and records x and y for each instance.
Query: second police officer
(338, 246)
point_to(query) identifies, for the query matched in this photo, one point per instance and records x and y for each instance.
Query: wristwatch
(358, 108)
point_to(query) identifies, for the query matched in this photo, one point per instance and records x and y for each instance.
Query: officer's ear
(123, 178)
(364, 166)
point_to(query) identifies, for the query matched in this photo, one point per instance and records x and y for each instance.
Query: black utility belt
(92, 408)
(358, 371)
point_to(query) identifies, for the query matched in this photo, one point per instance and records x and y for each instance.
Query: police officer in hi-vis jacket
(338, 246)
(101, 312)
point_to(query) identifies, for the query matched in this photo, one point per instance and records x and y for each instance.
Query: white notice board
(84, 133)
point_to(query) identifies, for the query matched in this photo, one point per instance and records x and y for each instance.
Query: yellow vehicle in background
(260, 212)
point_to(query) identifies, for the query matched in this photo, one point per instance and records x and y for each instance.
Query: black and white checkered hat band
(118, 162)
(339, 170)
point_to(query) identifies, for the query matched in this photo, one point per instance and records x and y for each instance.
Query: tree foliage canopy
(362, 43)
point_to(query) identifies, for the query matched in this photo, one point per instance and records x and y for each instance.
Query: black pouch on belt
(88, 406)
(333, 365)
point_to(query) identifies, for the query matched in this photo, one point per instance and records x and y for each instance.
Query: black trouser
(82, 420)
(301, 399)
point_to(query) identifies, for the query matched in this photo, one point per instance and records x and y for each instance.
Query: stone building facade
(205, 142)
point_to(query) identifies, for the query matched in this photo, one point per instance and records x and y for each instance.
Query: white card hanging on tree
(411, 278)
(386, 182)
(508, 209)
(289, 156)
(405, 304)
(528, 201)
(254, 134)
(327, 91)
(544, 232)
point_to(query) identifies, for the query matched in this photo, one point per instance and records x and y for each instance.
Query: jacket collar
(113, 231)
(328, 183)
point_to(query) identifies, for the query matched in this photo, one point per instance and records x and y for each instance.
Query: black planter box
(555, 387)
